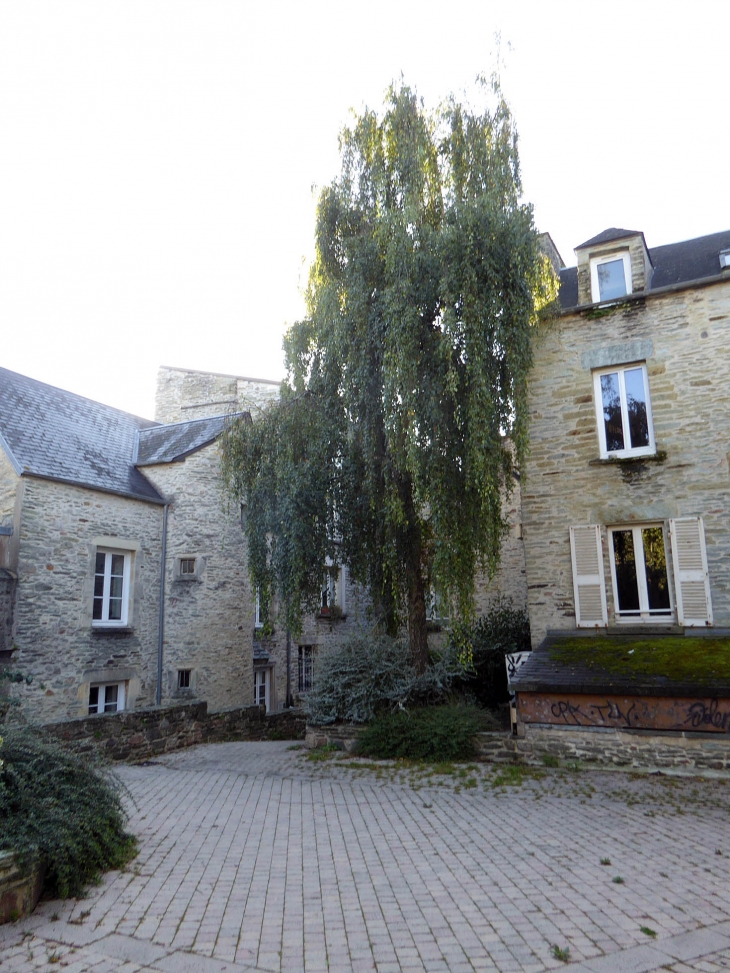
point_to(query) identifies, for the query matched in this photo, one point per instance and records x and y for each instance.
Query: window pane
(611, 279)
(636, 404)
(117, 565)
(656, 568)
(110, 699)
(612, 412)
(625, 562)
(100, 561)
(94, 699)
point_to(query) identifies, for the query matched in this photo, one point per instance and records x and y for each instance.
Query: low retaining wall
(498, 746)
(143, 734)
(627, 748)
(19, 889)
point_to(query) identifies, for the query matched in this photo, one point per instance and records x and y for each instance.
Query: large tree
(403, 415)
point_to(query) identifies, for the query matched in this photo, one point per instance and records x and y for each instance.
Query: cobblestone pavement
(254, 856)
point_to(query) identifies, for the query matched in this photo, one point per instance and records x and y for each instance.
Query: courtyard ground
(262, 856)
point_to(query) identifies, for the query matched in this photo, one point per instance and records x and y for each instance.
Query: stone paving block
(639, 959)
(699, 942)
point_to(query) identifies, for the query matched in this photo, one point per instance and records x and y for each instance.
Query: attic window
(725, 259)
(610, 277)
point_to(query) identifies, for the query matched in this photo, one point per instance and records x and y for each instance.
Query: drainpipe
(161, 626)
(288, 669)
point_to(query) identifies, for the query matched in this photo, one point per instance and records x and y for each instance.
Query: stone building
(627, 487)
(123, 574)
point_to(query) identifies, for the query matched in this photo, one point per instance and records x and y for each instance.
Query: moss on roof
(687, 659)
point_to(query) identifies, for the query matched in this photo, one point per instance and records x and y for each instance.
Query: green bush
(437, 733)
(501, 630)
(58, 807)
(366, 673)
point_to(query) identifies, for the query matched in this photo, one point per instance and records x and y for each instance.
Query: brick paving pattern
(254, 857)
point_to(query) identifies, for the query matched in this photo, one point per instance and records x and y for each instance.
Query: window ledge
(333, 615)
(658, 457)
(112, 629)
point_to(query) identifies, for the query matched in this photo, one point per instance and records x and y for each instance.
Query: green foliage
(483, 645)
(439, 733)
(58, 807)
(690, 659)
(388, 450)
(366, 673)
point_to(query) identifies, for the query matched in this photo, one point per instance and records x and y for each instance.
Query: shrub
(61, 809)
(437, 733)
(356, 678)
(501, 630)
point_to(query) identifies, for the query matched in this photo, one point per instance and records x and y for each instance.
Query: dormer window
(610, 276)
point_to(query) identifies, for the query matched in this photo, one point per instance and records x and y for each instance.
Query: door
(262, 688)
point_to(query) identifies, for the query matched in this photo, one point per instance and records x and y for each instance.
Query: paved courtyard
(254, 856)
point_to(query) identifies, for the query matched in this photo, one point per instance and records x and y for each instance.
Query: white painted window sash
(644, 612)
(106, 593)
(623, 255)
(649, 450)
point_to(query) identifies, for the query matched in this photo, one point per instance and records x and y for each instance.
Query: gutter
(161, 626)
(635, 296)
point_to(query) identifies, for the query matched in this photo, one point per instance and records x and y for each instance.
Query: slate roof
(174, 441)
(539, 674)
(675, 263)
(59, 435)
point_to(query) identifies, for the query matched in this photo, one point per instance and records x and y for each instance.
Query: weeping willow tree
(403, 414)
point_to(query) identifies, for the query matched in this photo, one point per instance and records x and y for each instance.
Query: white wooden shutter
(691, 577)
(590, 590)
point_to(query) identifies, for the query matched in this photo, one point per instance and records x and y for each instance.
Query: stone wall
(209, 621)
(184, 394)
(147, 734)
(684, 338)
(60, 528)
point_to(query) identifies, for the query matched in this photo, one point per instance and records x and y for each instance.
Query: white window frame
(101, 706)
(644, 614)
(608, 258)
(649, 450)
(262, 688)
(333, 573)
(105, 621)
(258, 621)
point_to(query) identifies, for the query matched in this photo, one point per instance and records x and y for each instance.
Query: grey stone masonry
(683, 338)
(61, 528)
(184, 393)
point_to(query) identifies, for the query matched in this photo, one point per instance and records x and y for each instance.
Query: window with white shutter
(588, 580)
(691, 577)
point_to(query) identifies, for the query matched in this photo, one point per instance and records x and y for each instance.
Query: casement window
(306, 667)
(111, 588)
(638, 557)
(610, 277)
(258, 618)
(648, 585)
(187, 567)
(623, 412)
(332, 601)
(107, 697)
(262, 688)
(183, 678)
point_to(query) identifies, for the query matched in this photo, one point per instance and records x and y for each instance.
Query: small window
(187, 567)
(435, 612)
(106, 698)
(183, 678)
(623, 411)
(639, 573)
(111, 588)
(610, 277)
(332, 599)
(258, 614)
(306, 667)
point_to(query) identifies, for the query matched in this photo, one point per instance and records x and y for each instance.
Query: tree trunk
(417, 632)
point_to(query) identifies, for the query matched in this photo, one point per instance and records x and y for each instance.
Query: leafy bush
(58, 807)
(356, 678)
(501, 630)
(438, 733)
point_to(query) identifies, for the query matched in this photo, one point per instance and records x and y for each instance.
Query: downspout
(161, 626)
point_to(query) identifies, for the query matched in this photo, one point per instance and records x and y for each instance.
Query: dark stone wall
(144, 734)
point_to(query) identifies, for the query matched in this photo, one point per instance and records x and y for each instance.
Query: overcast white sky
(157, 158)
